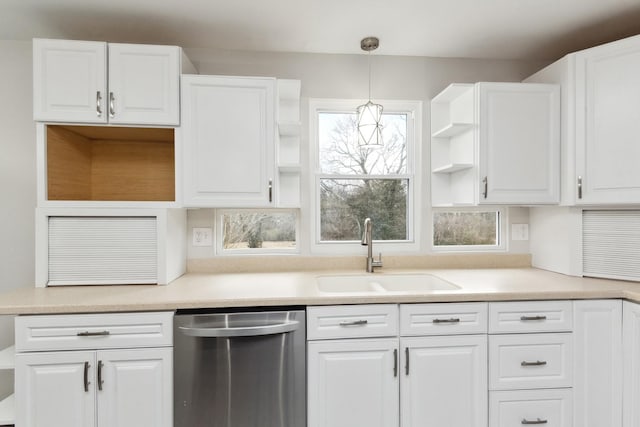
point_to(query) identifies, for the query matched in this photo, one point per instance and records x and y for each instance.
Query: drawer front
(93, 331)
(530, 361)
(547, 408)
(530, 316)
(443, 319)
(352, 321)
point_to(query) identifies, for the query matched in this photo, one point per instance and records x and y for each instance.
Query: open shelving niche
(288, 145)
(7, 405)
(453, 147)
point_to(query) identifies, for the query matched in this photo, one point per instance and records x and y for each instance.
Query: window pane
(341, 154)
(259, 230)
(465, 228)
(344, 205)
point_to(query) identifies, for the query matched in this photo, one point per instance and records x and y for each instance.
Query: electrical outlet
(519, 231)
(202, 237)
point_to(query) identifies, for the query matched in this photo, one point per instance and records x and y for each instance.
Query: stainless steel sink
(374, 283)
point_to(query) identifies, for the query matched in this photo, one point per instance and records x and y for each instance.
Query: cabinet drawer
(530, 361)
(93, 331)
(548, 408)
(530, 316)
(443, 319)
(352, 321)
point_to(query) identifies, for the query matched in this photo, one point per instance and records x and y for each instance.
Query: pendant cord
(369, 61)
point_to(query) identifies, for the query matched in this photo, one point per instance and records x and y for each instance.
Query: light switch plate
(519, 231)
(202, 237)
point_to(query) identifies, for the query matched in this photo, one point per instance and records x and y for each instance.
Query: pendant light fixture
(369, 114)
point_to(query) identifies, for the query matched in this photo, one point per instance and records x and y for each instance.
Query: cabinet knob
(112, 105)
(485, 181)
(99, 104)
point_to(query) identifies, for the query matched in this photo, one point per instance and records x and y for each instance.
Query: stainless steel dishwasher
(240, 369)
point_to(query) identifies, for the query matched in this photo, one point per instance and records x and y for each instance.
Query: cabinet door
(444, 381)
(597, 387)
(55, 389)
(228, 138)
(519, 131)
(69, 81)
(144, 84)
(631, 356)
(608, 123)
(353, 383)
(135, 387)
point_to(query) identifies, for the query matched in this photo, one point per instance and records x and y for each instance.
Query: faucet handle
(378, 262)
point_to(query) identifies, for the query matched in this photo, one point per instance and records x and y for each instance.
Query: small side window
(255, 231)
(467, 230)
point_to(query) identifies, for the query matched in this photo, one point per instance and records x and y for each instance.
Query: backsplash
(275, 263)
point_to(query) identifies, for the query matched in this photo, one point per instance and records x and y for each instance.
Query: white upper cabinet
(608, 123)
(495, 143)
(228, 132)
(71, 82)
(519, 136)
(600, 123)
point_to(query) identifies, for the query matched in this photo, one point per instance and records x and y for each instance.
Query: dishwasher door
(243, 369)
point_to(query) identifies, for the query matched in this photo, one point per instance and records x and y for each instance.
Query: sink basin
(382, 283)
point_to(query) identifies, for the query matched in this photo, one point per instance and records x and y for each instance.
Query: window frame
(219, 233)
(503, 221)
(413, 109)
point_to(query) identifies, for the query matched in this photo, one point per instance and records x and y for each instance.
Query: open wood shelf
(453, 167)
(101, 163)
(452, 129)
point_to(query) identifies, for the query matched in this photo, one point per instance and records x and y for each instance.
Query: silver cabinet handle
(532, 318)
(98, 103)
(579, 187)
(485, 181)
(406, 363)
(86, 377)
(452, 320)
(538, 421)
(244, 331)
(93, 334)
(100, 380)
(354, 323)
(270, 190)
(112, 105)
(395, 362)
(536, 363)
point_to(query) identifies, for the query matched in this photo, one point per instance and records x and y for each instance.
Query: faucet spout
(367, 240)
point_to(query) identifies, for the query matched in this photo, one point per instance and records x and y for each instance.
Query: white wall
(345, 76)
(17, 180)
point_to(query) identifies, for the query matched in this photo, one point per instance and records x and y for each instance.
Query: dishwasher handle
(245, 331)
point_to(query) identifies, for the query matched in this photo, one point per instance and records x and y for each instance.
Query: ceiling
(509, 29)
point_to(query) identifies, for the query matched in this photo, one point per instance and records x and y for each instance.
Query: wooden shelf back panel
(133, 170)
(136, 166)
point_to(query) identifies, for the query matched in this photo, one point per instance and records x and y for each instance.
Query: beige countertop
(203, 290)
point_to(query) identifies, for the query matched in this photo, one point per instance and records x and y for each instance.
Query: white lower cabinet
(94, 385)
(444, 381)
(631, 364)
(425, 381)
(597, 364)
(549, 408)
(353, 383)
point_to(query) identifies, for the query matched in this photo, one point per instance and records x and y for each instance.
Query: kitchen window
(468, 229)
(351, 182)
(248, 231)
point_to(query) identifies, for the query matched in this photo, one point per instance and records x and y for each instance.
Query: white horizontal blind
(611, 244)
(102, 250)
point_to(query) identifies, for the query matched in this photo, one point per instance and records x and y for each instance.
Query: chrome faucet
(367, 240)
